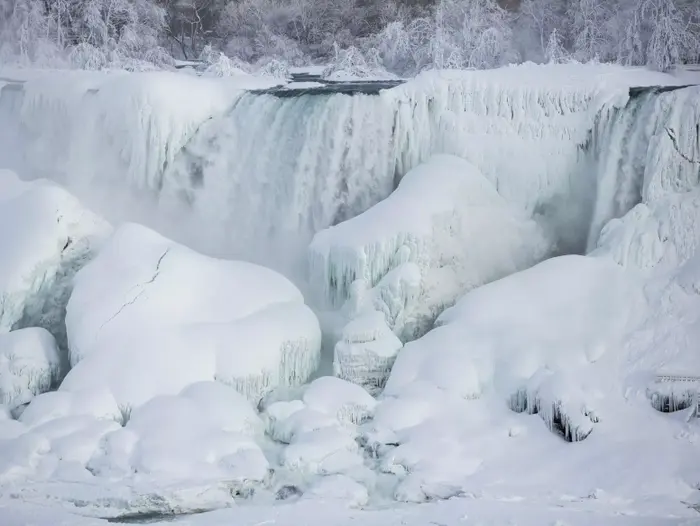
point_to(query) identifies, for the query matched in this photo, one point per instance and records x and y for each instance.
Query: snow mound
(509, 337)
(445, 218)
(97, 403)
(366, 351)
(347, 401)
(178, 437)
(47, 236)
(325, 451)
(339, 488)
(29, 365)
(148, 317)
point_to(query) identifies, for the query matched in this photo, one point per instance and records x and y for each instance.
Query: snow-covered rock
(347, 401)
(325, 451)
(559, 318)
(148, 317)
(47, 236)
(29, 365)
(177, 437)
(449, 221)
(97, 403)
(366, 351)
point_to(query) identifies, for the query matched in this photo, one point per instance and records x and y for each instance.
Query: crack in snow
(672, 135)
(135, 298)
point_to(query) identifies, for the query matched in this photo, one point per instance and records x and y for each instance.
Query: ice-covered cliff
(285, 168)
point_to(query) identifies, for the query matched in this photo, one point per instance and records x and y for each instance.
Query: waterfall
(254, 175)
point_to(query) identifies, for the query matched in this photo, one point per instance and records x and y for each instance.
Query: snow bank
(148, 317)
(521, 333)
(29, 365)
(47, 236)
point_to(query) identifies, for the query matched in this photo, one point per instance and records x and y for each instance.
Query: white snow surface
(30, 364)
(47, 236)
(148, 317)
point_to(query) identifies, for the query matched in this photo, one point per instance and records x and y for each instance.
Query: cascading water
(257, 175)
(274, 169)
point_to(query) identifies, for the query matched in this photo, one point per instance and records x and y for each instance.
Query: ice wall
(255, 176)
(659, 165)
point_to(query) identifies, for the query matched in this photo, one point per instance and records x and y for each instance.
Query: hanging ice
(447, 220)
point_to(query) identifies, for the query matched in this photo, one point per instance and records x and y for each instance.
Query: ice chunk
(29, 365)
(348, 402)
(447, 220)
(366, 352)
(147, 301)
(47, 236)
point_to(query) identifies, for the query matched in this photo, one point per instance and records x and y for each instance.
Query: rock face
(148, 317)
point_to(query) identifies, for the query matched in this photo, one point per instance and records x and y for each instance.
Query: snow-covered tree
(671, 39)
(471, 34)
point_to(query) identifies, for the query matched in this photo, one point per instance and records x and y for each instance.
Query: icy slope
(46, 237)
(148, 317)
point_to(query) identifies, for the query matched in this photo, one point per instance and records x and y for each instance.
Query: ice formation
(148, 317)
(366, 351)
(507, 337)
(441, 215)
(29, 365)
(47, 236)
(663, 230)
(145, 421)
(299, 164)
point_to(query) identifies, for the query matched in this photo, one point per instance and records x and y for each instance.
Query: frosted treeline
(361, 37)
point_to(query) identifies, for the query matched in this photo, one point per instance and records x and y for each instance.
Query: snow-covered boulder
(339, 488)
(445, 218)
(29, 365)
(180, 437)
(509, 337)
(366, 351)
(347, 401)
(97, 403)
(148, 317)
(46, 237)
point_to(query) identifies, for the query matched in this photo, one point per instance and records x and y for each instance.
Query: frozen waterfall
(236, 173)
